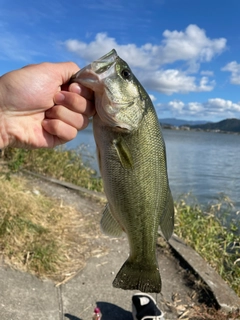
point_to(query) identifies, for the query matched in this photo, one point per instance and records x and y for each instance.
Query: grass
(58, 163)
(25, 233)
(41, 235)
(204, 313)
(217, 244)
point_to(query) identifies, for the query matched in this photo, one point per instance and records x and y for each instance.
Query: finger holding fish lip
(70, 113)
(81, 90)
(61, 131)
(78, 121)
(75, 102)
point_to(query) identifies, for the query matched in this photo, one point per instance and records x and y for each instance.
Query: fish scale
(132, 161)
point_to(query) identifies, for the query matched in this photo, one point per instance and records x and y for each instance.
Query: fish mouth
(105, 62)
(97, 70)
(97, 76)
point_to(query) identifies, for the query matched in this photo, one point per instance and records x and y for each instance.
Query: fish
(132, 162)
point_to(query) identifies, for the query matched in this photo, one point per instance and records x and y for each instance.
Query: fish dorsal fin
(109, 224)
(123, 152)
(167, 217)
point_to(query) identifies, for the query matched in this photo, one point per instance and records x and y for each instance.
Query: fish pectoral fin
(124, 153)
(99, 158)
(109, 224)
(167, 217)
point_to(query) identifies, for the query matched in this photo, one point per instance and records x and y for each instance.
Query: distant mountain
(180, 122)
(229, 125)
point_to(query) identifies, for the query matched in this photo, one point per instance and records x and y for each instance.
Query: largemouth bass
(132, 162)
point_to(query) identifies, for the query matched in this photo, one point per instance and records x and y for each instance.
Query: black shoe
(144, 308)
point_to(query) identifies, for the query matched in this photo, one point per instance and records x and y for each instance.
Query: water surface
(205, 164)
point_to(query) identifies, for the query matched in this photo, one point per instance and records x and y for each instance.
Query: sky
(186, 53)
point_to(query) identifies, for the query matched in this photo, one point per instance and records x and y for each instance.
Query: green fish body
(132, 161)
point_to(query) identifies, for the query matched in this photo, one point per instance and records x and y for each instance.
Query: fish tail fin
(133, 276)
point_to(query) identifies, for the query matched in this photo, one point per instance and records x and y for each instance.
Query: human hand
(38, 109)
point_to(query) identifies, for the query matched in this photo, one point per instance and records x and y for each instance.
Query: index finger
(83, 91)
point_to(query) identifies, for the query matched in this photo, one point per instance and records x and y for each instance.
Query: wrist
(4, 139)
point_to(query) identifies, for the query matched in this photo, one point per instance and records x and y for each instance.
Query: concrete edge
(224, 295)
(84, 191)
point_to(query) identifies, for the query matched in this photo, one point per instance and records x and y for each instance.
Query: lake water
(205, 164)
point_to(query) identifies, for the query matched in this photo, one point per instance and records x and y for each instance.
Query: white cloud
(176, 105)
(190, 46)
(234, 68)
(173, 81)
(136, 57)
(195, 107)
(152, 97)
(217, 107)
(207, 73)
(222, 105)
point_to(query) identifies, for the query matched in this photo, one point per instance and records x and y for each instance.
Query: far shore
(187, 128)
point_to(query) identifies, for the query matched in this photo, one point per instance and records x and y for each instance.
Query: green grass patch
(219, 245)
(25, 227)
(58, 163)
(41, 235)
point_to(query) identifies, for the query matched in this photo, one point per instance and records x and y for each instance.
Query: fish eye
(126, 74)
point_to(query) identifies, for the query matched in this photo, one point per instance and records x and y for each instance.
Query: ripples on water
(205, 164)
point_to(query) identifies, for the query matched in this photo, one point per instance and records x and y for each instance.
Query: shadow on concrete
(113, 312)
(71, 317)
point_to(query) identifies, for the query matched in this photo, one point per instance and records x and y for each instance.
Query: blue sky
(186, 53)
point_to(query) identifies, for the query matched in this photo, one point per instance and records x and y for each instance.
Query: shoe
(144, 307)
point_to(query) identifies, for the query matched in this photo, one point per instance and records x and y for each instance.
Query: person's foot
(144, 308)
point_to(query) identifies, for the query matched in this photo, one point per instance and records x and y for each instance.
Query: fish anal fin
(167, 217)
(123, 152)
(109, 224)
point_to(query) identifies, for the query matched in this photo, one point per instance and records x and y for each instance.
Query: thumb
(67, 70)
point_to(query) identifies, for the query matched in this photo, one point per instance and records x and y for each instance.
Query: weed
(58, 163)
(39, 234)
(216, 243)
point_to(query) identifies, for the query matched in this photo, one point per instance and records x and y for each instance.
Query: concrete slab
(23, 296)
(93, 287)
